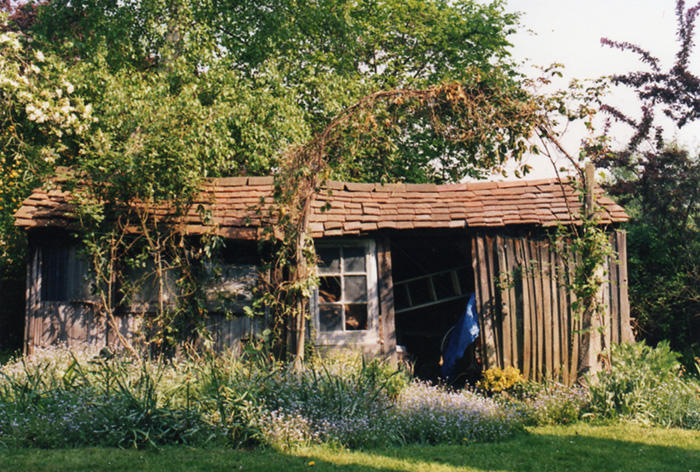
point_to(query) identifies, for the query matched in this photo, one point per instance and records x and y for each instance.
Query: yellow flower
(311, 463)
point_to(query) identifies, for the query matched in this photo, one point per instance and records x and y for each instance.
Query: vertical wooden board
(478, 295)
(78, 332)
(625, 322)
(29, 279)
(213, 332)
(534, 305)
(494, 312)
(614, 291)
(61, 321)
(488, 342)
(386, 297)
(547, 309)
(68, 320)
(563, 307)
(45, 327)
(51, 324)
(554, 307)
(31, 294)
(575, 329)
(222, 325)
(527, 350)
(88, 321)
(529, 270)
(37, 326)
(222, 333)
(99, 329)
(538, 315)
(228, 333)
(515, 331)
(607, 313)
(505, 319)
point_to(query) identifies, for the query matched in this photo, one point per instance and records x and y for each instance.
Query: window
(63, 274)
(142, 284)
(346, 296)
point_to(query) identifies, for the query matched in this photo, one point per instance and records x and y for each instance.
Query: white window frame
(371, 334)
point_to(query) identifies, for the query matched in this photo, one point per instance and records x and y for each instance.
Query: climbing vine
(583, 244)
(492, 122)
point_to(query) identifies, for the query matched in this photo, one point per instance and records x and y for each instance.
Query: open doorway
(433, 280)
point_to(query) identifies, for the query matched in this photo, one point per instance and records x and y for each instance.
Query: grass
(580, 447)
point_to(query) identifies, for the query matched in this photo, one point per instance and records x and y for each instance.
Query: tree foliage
(658, 183)
(488, 121)
(42, 120)
(180, 90)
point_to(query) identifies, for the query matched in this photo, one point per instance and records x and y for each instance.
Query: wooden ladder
(456, 292)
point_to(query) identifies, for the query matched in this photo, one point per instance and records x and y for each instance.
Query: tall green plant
(647, 384)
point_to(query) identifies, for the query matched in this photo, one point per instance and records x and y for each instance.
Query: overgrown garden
(145, 100)
(61, 398)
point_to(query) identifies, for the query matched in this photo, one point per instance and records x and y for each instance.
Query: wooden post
(626, 334)
(387, 324)
(591, 323)
(32, 294)
(484, 301)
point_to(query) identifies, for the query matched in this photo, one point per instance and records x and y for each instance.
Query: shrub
(497, 380)
(547, 403)
(646, 385)
(63, 399)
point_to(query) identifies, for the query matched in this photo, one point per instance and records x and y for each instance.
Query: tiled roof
(344, 208)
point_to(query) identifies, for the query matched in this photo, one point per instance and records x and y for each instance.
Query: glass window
(63, 274)
(342, 290)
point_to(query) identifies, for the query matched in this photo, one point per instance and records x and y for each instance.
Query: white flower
(39, 56)
(10, 82)
(68, 86)
(10, 39)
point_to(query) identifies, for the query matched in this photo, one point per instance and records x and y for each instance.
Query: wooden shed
(399, 262)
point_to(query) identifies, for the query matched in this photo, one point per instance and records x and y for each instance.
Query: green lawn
(578, 448)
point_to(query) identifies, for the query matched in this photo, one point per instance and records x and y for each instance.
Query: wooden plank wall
(525, 308)
(74, 323)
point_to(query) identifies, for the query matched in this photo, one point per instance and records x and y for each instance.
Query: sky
(569, 32)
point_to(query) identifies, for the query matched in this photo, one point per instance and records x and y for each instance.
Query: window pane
(63, 274)
(355, 288)
(356, 317)
(54, 268)
(329, 290)
(354, 259)
(330, 317)
(328, 260)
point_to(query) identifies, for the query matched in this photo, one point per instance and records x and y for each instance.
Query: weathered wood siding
(74, 323)
(525, 308)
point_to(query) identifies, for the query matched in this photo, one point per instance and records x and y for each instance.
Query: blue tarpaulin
(464, 333)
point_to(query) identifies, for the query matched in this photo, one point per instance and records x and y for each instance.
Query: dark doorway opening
(433, 280)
